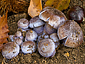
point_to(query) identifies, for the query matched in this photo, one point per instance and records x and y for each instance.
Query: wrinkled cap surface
(72, 32)
(53, 16)
(35, 22)
(18, 34)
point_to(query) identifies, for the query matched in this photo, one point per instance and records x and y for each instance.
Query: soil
(64, 55)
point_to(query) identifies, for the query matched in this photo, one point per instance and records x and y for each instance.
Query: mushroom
(23, 25)
(39, 30)
(18, 41)
(48, 29)
(35, 22)
(31, 35)
(55, 39)
(18, 34)
(71, 32)
(11, 38)
(10, 50)
(28, 47)
(46, 48)
(53, 16)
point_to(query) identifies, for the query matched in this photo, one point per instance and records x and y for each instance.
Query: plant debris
(58, 4)
(34, 8)
(3, 30)
(13, 5)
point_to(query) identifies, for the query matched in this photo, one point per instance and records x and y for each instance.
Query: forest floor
(76, 55)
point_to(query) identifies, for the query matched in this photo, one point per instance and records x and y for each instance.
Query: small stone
(82, 56)
(73, 52)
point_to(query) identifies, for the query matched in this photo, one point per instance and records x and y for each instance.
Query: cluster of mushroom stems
(45, 33)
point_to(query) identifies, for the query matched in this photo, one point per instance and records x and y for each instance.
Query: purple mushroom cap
(28, 47)
(46, 48)
(10, 50)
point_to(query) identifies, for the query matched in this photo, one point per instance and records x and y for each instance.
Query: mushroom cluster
(44, 32)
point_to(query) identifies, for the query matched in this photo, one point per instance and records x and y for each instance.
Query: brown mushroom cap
(72, 32)
(18, 41)
(53, 16)
(35, 22)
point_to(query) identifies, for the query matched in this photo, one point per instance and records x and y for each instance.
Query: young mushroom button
(53, 16)
(46, 48)
(10, 50)
(31, 35)
(23, 23)
(28, 47)
(18, 34)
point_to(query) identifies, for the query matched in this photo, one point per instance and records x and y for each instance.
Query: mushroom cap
(23, 23)
(10, 50)
(11, 38)
(35, 22)
(31, 35)
(46, 47)
(49, 29)
(76, 13)
(72, 32)
(28, 47)
(55, 39)
(18, 41)
(18, 34)
(39, 30)
(53, 16)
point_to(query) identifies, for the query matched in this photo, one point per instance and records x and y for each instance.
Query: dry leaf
(3, 30)
(34, 8)
(58, 4)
